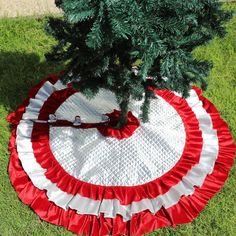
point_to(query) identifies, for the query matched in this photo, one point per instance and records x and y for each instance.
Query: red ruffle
(126, 194)
(183, 212)
(125, 132)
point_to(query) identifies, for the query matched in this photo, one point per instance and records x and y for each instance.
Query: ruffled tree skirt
(73, 169)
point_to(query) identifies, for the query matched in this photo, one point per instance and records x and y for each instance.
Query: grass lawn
(22, 64)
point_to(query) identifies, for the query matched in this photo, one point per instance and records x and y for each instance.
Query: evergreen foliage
(101, 40)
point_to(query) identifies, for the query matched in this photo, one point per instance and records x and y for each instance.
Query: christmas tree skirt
(73, 169)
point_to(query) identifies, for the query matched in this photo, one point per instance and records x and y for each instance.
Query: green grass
(22, 64)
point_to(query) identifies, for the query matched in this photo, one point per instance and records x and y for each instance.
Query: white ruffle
(111, 208)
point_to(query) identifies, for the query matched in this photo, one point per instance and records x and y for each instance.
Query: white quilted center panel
(149, 153)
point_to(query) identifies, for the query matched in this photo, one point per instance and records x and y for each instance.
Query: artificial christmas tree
(103, 39)
(120, 142)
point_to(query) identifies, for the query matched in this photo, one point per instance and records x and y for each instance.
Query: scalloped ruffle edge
(136, 193)
(183, 212)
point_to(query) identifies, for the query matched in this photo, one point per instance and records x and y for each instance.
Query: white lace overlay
(150, 152)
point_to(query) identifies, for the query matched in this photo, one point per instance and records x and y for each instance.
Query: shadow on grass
(18, 73)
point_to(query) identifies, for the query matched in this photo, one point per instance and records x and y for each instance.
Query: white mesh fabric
(150, 152)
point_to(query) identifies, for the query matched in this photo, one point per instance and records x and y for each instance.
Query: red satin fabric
(183, 212)
(126, 194)
(105, 128)
(125, 132)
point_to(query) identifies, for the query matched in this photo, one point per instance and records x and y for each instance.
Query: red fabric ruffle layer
(125, 194)
(183, 212)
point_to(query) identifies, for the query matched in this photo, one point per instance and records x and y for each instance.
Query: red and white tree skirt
(74, 170)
